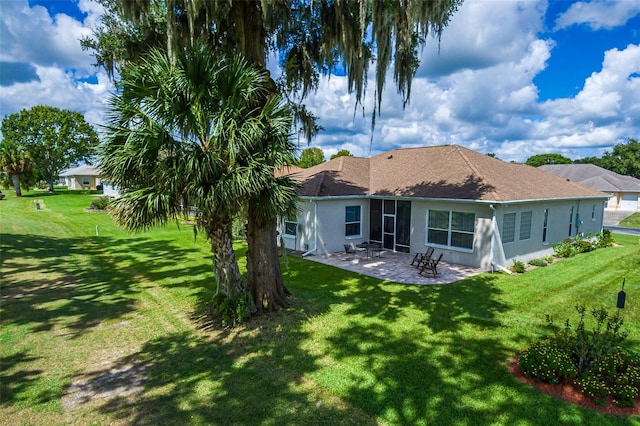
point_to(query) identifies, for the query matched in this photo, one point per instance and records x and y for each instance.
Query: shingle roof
(81, 171)
(448, 172)
(594, 177)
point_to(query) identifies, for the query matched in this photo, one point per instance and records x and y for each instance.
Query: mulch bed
(571, 393)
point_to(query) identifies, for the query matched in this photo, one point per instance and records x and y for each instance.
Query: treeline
(624, 159)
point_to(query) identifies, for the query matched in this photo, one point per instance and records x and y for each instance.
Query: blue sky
(515, 78)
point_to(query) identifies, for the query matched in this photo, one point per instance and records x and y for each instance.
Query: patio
(395, 267)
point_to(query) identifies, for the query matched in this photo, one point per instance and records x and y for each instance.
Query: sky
(512, 78)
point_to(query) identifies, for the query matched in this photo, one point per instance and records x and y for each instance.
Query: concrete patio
(396, 267)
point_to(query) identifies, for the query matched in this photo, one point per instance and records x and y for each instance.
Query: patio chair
(419, 258)
(431, 266)
(350, 248)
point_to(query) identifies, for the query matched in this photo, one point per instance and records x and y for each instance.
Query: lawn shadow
(235, 378)
(80, 282)
(15, 380)
(438, 368)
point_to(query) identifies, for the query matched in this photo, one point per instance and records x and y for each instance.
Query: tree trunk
(264, 277)
(15, 178)
(225, 264)
(50, 182)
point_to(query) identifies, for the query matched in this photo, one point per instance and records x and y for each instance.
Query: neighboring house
(624, 190)
(82, 177)
(110, 189)
(88, 177)
(477, 210)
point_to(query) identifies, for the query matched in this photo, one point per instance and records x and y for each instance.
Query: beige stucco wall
(616, 200)
(76, 182)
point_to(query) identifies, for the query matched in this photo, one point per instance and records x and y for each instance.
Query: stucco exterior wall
(77, 182)
(589, 212)
(615, 202)
(480, 256)
(330, 226)
(321, 225)
(110, 190)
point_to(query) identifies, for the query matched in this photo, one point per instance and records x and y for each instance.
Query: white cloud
(31, 35)
(610, 95)
(50, 45)
(59, 89)
(599, 14)
(479, 91)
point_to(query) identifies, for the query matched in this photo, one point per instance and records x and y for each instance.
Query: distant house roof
(447, 172)
(81, 171)
(594, 177)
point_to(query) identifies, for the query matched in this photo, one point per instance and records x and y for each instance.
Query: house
(624, 190)
(475, 209)
(82, 177)
(110, 189)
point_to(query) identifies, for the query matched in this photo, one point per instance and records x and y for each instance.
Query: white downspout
(494, 226)
(315, 230)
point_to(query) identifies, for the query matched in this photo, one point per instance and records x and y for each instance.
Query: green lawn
(99, 326)
(632, 221)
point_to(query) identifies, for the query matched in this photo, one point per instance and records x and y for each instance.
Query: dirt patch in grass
(121, 381)
(572, 393)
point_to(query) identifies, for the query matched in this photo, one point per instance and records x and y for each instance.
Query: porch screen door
(390, 224)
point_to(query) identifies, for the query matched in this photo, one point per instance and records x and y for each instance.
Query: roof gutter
(456, 200)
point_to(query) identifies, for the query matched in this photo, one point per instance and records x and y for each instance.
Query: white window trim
(284, 229)
(449, 246)
(353, 237)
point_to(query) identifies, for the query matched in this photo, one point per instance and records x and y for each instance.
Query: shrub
(594, 387)
(570, 247)
(582, 246)
(564, 248)
(595, 355)
(100, 203)
(232, 311)
(603, 340)
(538, 262)
(518, 267)
(604, 238)
(544, 361)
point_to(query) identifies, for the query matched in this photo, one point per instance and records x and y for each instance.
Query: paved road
(620, 229)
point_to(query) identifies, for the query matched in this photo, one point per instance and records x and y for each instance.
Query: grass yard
(99, 326)
(632, 221)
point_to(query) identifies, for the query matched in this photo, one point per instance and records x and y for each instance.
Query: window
(593, 212)
(570, 221)
(86, 181)
(525, 225)
(508, 227)
(545, 225)
(352, 221)
(290, 225)
(449, 228)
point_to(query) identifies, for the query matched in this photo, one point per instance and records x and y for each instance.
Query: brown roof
(448, 171)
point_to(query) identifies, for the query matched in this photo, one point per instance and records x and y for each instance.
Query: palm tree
(310, 37)
(182, 134)
(14, 162)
